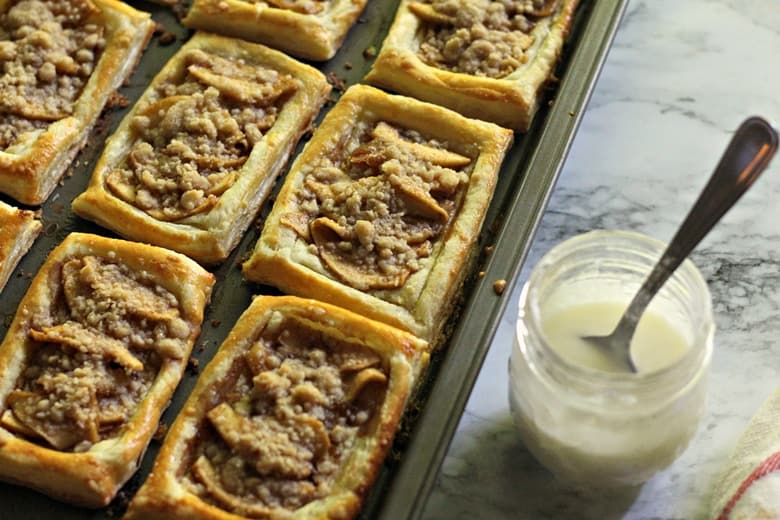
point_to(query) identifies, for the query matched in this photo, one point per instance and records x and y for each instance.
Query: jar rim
(661, 378)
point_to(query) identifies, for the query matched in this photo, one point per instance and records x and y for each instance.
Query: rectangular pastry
(380, 212)
(61, 60)
(487, 59)
(18, 230)
(92, 357)
(291, 419)
(309, 29)
(190, 165)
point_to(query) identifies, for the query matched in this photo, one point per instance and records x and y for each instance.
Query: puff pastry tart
(92, 357)
(18, 230)
(310, 29)
(381, 210)
(190, 165)
(482, 58)
(61, 60)
(291, 419)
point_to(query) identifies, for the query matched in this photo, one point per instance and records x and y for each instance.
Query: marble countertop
(679, 79)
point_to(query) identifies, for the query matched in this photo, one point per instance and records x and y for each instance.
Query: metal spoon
(748, 154)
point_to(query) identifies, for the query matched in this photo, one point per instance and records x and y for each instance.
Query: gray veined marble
(679, 79)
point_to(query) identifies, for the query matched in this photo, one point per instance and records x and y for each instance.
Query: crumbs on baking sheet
(499, 286)
(159, 433)
(117, 100)
(164, 36)
(193, 366)
(337, 81)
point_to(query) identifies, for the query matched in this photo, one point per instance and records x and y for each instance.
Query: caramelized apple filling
(94, 355)
(482, 38)
(48, 49)
(192, 137)
(374, 219)
(286, 425)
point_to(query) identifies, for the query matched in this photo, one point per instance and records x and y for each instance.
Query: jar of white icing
(589, 422)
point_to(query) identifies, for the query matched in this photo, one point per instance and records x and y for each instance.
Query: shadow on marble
(490, 474)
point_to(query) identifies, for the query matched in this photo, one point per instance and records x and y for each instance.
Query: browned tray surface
(527, 178)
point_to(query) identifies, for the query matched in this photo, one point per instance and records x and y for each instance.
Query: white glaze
(656, 343)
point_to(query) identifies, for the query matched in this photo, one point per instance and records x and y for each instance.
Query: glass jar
(602, 428)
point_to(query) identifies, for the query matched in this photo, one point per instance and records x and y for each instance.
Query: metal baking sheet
(526, 181)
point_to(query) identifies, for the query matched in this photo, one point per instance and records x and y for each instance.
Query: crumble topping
(483, 37)
(286, 422)
(95, 354)
(48, 49)
(373, 219)
(193, 137)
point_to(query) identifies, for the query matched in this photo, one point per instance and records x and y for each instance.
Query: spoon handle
(747, 155)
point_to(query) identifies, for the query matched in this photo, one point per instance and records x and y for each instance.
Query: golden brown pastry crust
(281, 258)
(510, 101)
(18, 230)
(310, 36)
(164, 496)
(209, 236)
(92, 478)
(30, 171)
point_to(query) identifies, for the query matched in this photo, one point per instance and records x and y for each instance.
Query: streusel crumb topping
(193, 137)
(48, 50)
(95, 354)
(286, 421)
(483, 37)
(374, 218)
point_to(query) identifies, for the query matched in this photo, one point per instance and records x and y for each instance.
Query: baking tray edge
(417, 471)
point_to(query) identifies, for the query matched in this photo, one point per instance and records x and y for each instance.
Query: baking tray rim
(478, 322)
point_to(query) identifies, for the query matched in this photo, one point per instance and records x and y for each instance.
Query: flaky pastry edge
(92, 478)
